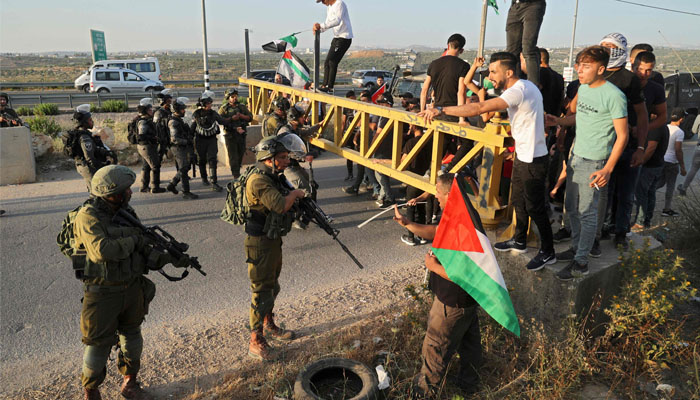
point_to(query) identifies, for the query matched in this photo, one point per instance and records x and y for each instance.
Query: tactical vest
(205, 123)
(270, 224)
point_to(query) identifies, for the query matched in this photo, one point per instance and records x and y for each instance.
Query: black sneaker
(215, 187)
(421, 240)
(571, 271)
(562, 235)
(349, 178)
(171, 188)
(385, 203)
(621, 241)
(566, 255)
(350, 190)
(595, 250)
(540, 260)
(144, 189)
(511, 245)
(669, 213)
(189, 196)
(408, 240)
(157, 190)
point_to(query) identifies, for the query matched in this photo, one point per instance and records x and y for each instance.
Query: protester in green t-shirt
(601, 135)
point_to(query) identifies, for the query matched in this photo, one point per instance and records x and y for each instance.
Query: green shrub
(114, 106)
(42, 124)
(46, 109)
(24, 110)
(94, 108)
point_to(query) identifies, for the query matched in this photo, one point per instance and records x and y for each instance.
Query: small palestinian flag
(378, 93)
(294, 69)
(280, 46)
(462, 247)
(493, 4)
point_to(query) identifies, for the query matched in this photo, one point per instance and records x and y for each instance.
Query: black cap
(678, 113)
(406, 95)
(386, 98)
(414, 100)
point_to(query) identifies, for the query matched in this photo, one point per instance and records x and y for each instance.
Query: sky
(129, 25)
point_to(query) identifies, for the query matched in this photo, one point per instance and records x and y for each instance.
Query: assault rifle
(10, 119)
(308, 211)
(162, 241)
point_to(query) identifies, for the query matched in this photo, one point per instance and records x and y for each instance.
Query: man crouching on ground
(453, 323)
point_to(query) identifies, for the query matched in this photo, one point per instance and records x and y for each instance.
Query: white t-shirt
(526, 114)
(337, 17)
(675, 134)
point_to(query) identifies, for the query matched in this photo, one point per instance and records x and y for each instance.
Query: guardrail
(491, 142)
(26, 85)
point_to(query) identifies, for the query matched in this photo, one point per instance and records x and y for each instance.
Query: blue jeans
(581, 203)
(385, 187)
(624, 181)
(646, 194)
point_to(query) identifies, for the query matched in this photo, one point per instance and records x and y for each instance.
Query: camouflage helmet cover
(112, 179)
(271, 145)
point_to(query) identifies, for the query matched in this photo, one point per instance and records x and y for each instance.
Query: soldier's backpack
(66, 242)
(237, 210)
(132, 131)
(162, 130)
(71, 144)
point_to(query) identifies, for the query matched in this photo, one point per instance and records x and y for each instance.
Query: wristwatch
(439, 110)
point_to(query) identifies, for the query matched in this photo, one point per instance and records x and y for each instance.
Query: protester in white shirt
(337, 17)
(526, 112)
(673, 160)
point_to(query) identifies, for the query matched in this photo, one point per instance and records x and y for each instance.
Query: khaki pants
(451, 329)
(109, 316)
(264, 258)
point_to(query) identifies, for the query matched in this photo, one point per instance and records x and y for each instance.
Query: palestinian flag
(378, 93)
(280, 46)
(294, 69)
(462, 247)
(493, 4)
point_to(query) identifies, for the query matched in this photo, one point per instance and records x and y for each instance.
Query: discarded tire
(335, 379)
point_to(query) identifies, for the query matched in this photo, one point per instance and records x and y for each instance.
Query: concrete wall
(253, 137)
(16, 156)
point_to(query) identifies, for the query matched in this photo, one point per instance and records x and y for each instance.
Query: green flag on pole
(493, 4)
(291, 39)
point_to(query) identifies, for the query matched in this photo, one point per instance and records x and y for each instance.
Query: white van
(114, 80)
(147, 67)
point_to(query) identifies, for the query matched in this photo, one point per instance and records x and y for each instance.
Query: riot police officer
(205, 127)
(116, 294)
(277, 118)
(182, 144)
(88, 152)
(8, 116)
(148, 148)
(270, 218)
(235, 130)
(160, 119)
(295, 173)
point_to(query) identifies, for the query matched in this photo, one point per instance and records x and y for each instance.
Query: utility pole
(247, 55)
(573, 37)
(206, 54)
(482, 35)
(317, 60)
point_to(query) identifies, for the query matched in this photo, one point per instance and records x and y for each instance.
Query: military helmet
(281, 104)
(112, 179)
(271, 145)
(81, 114)
(206, 98)
(180, 104)
(144, 105)
(5, 95)
(230, 92)
(295, 113)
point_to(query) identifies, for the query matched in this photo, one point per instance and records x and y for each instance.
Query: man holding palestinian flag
(464, 275)
(291, 66)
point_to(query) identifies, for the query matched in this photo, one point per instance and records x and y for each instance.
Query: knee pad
(131, 344)
(95, 360)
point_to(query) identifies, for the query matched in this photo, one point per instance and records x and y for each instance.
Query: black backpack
(132, 131)
(71, 144)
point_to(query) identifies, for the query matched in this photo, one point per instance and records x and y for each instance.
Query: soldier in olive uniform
(8, 116)
(270, 218)
(92, 154)
(295, 173)
(160, 119)
(235, 131)
(205, 126)
(116, 294)
(277, 118)
(148, 148)
(182, 142)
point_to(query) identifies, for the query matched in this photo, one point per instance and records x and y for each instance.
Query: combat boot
(92, 394)
(171, 188)
(132, 390)
(214, 185)
(273, 331)
(259, 348)
(189, 196)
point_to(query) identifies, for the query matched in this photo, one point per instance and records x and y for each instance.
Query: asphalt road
(40, 298)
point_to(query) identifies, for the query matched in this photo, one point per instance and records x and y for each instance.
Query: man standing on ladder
(337, 17)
